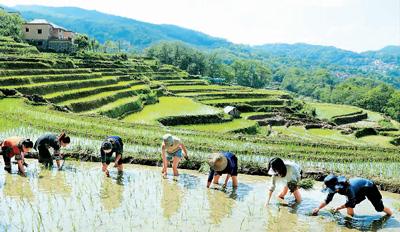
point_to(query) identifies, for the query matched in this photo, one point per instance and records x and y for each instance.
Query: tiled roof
(44, 21)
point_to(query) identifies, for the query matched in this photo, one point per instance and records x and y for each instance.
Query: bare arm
(269, 197)
(271, 189)
(226, 180)
(340, 207)
(117, 158)
(184, 151)
(21, 167)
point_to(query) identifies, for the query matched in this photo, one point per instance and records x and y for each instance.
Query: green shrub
(365, 132)
(350, 118)
(395, 141)
(193, 119)
(132, 106)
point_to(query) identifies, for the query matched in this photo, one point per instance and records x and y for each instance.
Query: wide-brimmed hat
(168, 139)
(217, 161)
(333, 183)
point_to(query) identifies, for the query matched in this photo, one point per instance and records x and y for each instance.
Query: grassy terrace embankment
(140, 101)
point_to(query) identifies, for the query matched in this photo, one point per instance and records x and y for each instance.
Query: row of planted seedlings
(149, 135)
(146, 135)
(383, 173)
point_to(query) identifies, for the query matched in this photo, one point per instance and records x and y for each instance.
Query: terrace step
(23, 64)
(25, 72)
(119, 108)
(51, 87)
(32, 79)
(84, 92)
(254, 102)
(98, 100)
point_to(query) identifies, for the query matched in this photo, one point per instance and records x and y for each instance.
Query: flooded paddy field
(81, 198)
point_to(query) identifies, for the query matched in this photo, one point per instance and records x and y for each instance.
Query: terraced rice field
(332, 135)
(129, 89)
(170, 106)
(233, 126)
(327, 111)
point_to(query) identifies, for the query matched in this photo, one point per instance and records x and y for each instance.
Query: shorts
(292, 185)
(178, 154)
(375, 197)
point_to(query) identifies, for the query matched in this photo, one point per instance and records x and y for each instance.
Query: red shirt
(12, 143)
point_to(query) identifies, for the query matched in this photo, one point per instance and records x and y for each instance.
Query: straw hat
(217, 161)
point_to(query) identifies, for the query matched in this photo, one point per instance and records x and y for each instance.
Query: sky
(356, 25)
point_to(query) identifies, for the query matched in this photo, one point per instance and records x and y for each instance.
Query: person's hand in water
(315, 212)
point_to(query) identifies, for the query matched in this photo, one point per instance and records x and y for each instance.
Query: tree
(82, 41)
(11, 25)
(251, 73)
(392, 108)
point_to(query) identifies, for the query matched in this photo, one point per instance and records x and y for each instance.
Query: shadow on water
(366, 222)
(358, 222)
(238, 193)
(189, 181)
(171, 199)
(111, 193)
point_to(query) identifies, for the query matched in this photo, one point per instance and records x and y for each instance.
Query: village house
(233, 111)
(48, 36)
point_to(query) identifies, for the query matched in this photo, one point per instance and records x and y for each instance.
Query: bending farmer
(356, 190)
(51, 141)
(113, 144)
(288, 173)
(223, 163)
(18, 147)
(171, 150)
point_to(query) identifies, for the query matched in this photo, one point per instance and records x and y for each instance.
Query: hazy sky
(356, 25)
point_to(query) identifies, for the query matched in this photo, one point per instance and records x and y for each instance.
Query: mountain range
(385, 62)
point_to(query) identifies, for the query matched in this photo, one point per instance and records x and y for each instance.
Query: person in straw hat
(171, 150)
(223, 163)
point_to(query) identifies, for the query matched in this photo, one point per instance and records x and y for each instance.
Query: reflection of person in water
(220, 205)
(17, 187)
(171, 198)
(53, 183)
(111, 193)
(356, 190)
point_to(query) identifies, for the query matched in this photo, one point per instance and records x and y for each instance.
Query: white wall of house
(37, 31)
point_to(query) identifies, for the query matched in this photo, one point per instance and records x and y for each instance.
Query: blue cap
(333, 183)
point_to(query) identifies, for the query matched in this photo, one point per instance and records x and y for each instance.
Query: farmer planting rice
(18, 147)
(223, 163)
(288, 173)
(51, 141)
(113, 144)
(171, 150)
(356, 190)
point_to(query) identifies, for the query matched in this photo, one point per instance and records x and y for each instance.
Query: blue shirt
(231, 167)
(355, 192)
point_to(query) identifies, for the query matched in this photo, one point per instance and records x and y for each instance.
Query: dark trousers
(7, 163)
(4, 151)
(45, 157)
